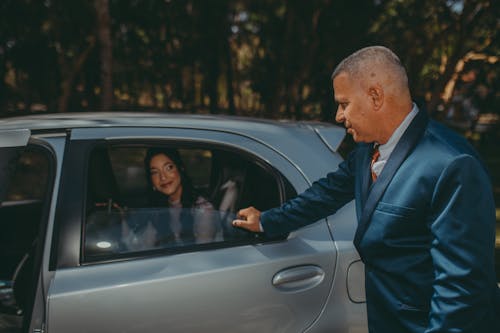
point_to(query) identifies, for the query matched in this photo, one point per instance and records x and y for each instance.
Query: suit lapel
(409, 140)
(365, 176)
(363, 155)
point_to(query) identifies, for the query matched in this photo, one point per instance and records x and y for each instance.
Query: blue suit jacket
(426, 231)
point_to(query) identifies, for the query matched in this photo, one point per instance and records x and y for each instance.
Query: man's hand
(248, 218)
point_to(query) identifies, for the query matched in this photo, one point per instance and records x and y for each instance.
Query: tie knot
(375, 154)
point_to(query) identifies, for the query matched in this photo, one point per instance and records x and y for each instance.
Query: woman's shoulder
(202, 203)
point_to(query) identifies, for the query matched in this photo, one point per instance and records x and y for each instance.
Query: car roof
(331, 135)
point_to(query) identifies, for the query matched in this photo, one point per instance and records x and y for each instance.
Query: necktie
(375, 156)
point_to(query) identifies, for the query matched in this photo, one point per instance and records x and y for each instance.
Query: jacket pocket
(407, 307)
(398, 226)
(400, 211)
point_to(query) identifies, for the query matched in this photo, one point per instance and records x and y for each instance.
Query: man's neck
(392, 122)
(401, 125)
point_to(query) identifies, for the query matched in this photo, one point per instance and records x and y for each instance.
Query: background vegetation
(267, 58)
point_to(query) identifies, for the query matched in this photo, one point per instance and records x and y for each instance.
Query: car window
(29, 178)
(129, 205)
(20, 217)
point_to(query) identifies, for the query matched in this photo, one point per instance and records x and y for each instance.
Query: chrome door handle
(298, 278)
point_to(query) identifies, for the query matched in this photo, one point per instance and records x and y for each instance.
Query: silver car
(79, 238)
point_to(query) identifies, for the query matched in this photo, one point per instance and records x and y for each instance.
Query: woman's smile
(165, 176)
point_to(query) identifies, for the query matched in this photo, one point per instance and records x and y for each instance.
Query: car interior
(230, 182)
(21, 212)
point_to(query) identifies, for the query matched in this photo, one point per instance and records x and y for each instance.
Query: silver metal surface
(14, 137)
(311, 282)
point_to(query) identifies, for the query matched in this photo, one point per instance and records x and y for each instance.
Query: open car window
(126, 216)
(12, 144)
(26, 177)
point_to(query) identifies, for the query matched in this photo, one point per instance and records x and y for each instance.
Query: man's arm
(323, 198)
(463, 229)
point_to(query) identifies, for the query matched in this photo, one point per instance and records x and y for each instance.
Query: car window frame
(70, 217)
(181, 144)
(38, 145)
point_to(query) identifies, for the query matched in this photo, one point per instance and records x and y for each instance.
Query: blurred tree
(296, 44)
(270, 58)
(106, 52)
(26, 59)
(433, 36)
(214, 26)
(68, 30)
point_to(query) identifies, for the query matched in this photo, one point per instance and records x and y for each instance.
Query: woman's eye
(154, 172)
(169, 167)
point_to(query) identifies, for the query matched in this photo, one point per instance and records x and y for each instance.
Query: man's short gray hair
(356, 64)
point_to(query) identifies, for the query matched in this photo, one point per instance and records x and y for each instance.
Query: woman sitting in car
(180, 215)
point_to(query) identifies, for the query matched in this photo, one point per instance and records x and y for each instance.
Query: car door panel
(226, 289)
(191, 292)
(31, 198)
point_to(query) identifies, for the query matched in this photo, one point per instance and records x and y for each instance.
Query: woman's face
(166, 177)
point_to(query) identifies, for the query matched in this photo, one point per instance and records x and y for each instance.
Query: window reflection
(141, 229)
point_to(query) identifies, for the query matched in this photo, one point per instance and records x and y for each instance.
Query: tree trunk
(212, 79)
(105, 50)
(69, 74)
(229, 77)
(436, 97)
(3, 87)
(471, 14)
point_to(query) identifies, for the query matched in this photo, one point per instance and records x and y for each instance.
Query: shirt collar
(387, 148)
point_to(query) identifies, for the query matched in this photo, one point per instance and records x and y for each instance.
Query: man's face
(354, 108)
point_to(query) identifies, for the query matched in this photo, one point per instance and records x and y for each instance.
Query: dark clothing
(426, 231)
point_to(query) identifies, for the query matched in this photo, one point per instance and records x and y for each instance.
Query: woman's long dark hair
(189, 195)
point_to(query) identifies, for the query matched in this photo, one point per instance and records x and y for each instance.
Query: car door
(278, 285)
(28, 171)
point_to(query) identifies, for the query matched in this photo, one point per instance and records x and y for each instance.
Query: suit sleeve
(322, 199)
(463, 230)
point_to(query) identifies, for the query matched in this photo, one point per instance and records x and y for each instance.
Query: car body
(71, 182)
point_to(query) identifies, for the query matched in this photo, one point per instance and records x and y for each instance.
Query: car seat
(228, 181)
(104, 213)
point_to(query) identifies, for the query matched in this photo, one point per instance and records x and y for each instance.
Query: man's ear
(376, 94)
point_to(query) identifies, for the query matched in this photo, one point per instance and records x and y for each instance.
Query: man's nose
(339, 117)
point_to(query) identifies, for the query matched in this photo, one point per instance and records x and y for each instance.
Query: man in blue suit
(426, 215)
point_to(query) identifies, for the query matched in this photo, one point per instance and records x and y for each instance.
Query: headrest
(102, 182)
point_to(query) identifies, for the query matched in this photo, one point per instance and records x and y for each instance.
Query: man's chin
(353, 135)
(357, 139)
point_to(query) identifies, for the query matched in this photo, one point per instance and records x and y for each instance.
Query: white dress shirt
(387, 148)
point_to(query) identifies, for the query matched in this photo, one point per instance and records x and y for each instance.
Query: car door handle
(298, 278)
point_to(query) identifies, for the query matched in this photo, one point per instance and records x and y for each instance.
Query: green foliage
(432, 36)
(270, 58)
